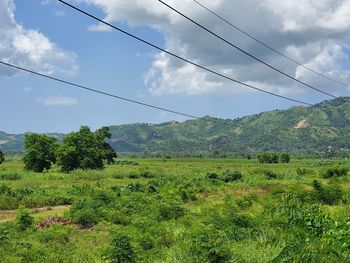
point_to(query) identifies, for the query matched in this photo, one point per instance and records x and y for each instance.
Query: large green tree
(39, 152)
(85, 150)
(2, 157)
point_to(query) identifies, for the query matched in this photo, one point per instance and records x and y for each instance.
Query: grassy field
(177, 210)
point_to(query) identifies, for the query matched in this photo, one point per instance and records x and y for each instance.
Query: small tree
(2, 157)
(85, 150)
(24, 220)
(40, 152)
(121, 250)
(284, 158)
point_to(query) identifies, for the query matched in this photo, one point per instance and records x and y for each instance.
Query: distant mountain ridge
(319, 128)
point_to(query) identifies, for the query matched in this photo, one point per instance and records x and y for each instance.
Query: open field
(179, 210)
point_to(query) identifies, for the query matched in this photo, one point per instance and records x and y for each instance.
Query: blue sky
(66, 46)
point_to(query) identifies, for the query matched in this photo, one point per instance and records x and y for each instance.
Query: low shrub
(170, 211)
(271, 175)
(330, 195)
(335, 172)
(231, 176)
(10, 176)
(24, 220)
(268, 158)
(121, 250)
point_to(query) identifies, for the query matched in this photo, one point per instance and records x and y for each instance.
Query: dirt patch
(302, 124)
(54, 220)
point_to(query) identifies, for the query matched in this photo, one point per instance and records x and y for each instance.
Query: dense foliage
(40, 152)
(85, 150)
(268, 157)
(2, 157)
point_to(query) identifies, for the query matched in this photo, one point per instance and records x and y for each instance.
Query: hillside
(319, 128)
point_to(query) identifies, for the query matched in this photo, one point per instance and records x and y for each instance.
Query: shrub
(10, 176)
(85, 213)
(270, 175)
(329, 195)
(4, 235)
(213, 175)
(2, 157)
(284, 158)
(168, 212)
(301, 171)
(24, 220)
(231, 176)
(133, 175)
(335, 172)
(268, 158)
(209, 246)
(121, 250)
(246, 201)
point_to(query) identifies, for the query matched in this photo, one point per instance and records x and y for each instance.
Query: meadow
(177, 210)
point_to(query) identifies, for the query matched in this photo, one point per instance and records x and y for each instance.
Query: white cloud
(30, 48)
(58, 101)
(311, 31)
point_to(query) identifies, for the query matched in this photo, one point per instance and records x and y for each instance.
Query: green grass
(173, 212)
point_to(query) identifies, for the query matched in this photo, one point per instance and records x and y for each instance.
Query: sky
(48, 37)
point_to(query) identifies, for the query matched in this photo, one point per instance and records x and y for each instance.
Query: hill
(324, 127)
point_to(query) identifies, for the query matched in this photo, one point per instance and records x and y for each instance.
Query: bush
(24, 220)
(284, 158)
(268, 158)
(329, 195)
(2, 157)
(335, 172)
(4, 235)
(133, 175)
(209, 246)
(231, 176)
(85, 213)
(270, 175)
(213, 175)
(10, 176)
(121, 250)
(168, 212)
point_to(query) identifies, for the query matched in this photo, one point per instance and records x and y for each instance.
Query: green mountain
(324, 127)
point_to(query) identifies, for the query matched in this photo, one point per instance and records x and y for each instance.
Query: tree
(85, 150)
(268, 158)
(40, 152)
(2, 157)
(284, 158)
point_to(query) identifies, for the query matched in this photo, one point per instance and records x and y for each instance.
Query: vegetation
(268, 158)
(78, 150)
(40, 152)
(85, 150)
(2, 157)
(284, 158)
(181, 210)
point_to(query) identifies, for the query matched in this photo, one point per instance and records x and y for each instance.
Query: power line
(181, 58)
(98, 91)
(245, 52)
(116, 96)
(268, 46)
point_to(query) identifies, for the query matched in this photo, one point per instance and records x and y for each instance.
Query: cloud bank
(314, 32)
(30, 48)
